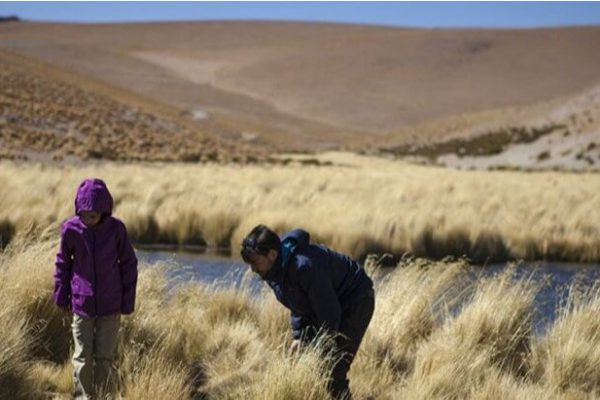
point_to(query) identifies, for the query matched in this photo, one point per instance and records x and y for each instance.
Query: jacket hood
(93, 195)
(300, 237)
(290, 242)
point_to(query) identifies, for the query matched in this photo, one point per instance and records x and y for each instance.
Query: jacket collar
(286, 251)
(277, 270)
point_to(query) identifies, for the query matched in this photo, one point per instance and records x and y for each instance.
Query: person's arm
(63, 271)
(128, 264)
(316, 281)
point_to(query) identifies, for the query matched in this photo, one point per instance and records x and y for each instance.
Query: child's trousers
(93, 359)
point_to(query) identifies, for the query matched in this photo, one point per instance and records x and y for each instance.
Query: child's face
(90, 218)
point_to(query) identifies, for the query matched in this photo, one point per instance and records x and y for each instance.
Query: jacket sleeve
(298, 324)
(128, 263)
(63, 271)
(323, 299)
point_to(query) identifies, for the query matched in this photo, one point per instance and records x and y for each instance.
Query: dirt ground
(246, 90)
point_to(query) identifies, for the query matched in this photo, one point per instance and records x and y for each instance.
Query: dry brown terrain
(301, 85)
(568, 137)
(47, 113)
(491, 98)
(561, 133)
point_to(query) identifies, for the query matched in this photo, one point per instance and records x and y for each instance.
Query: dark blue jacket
(317, 284)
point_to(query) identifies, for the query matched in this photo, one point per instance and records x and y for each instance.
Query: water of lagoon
(221, 271)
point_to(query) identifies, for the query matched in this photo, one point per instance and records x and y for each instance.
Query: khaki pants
(93, 359)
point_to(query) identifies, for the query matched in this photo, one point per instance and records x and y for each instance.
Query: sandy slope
(575, 147)
(572, 140)
(316, 85)
(50, 114)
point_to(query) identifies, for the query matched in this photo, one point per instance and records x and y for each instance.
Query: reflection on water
(556, 278)
(213, 269)
(225, 272)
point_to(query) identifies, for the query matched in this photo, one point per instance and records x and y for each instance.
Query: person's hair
(259, 241)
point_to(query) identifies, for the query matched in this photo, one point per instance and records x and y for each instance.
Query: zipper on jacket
(93, 234)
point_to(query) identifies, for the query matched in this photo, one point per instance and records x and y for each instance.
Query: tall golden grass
(357, 205)
(436, 334)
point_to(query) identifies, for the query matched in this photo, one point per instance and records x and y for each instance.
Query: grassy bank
(204, 343)
(357, 205)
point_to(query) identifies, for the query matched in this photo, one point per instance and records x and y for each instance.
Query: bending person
(323, 290)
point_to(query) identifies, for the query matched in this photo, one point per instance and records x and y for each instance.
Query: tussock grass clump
(409, 305)
(492, 332)
(567, 358)
(215, 336)
(27, 285)
(52, 379)
(291, 376)
(154, 377)
(15, 345)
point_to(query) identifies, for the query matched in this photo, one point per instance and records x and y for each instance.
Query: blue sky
(412, 14)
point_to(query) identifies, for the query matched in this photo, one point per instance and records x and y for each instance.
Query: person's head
(93, 201)
(260, 249)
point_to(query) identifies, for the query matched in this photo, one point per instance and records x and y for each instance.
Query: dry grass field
(354, 203)
(202, 343)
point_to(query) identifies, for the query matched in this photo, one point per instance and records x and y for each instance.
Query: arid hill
(561, 133)
(312, 86)
(47, 113)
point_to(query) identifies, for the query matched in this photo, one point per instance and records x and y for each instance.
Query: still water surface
(225, 271)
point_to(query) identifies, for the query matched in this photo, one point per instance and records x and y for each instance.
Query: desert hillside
(562, 133)
(302, 85)
(49, 114)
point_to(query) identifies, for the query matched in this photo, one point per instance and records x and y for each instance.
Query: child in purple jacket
(95, 278)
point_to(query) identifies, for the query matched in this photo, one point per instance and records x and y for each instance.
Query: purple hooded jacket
(96, 267)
